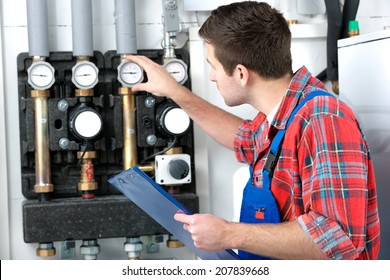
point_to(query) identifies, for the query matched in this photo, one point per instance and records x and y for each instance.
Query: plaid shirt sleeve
(334, 186)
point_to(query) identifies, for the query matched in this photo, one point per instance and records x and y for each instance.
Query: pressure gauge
(130, 73)
(41, 75)
(178, 70)
(85, 75)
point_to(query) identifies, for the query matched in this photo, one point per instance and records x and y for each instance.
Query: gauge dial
(85, 75)
(177, 69)
(41, 75)
(130, 73)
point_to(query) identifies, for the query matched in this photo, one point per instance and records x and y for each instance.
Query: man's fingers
(143, 61)
(183, 218)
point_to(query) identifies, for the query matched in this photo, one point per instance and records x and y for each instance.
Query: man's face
(228, 86)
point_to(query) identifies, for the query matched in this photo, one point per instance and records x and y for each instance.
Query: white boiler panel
(364, 76)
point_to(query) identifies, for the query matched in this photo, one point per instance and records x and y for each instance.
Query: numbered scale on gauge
(177, 69)
(85, 75)
(130, 73)
(41, 75)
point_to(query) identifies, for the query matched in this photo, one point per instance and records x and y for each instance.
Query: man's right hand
(160, 82)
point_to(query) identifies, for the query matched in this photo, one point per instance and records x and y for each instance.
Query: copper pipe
(42, 153)
(149, 168)
(129, 128)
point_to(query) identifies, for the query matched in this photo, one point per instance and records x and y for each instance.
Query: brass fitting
(148, 168)
(84, 92)
(174, 243)
(45, 250)
(87, 180)
(82, 58)
(174, 150)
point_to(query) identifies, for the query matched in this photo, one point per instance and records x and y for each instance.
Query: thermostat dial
(173, 169)
(41, 75)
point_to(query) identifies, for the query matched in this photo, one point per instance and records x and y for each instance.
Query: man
(323, 183)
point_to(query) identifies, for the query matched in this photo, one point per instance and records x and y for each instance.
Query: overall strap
(275, 149)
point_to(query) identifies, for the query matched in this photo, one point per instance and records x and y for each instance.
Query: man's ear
(242, 74)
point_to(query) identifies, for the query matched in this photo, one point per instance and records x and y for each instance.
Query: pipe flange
(43, 188)
(126, 91)
(84, 92)
(88, 186)
(40, 93)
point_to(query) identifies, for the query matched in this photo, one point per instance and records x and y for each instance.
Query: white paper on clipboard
(161, 206)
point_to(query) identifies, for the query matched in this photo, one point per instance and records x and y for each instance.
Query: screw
(151, 139)
(64, 143)
(150, 102)
(62, 105)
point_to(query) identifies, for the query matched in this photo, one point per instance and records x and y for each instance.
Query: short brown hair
(252, 34)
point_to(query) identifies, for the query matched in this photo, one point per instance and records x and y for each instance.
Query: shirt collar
(295, 92)
(271, 115)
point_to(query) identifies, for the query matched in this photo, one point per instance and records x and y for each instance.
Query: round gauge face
(130, 73)
(85, 75)
(177, 69)
(41, 75)
(88, 124)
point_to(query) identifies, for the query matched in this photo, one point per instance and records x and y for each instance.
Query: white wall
(308, 48)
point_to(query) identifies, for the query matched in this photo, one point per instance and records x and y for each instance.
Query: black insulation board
(102, 217)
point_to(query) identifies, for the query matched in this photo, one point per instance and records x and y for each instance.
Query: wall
(308, 48)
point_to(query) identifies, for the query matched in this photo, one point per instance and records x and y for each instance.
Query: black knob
(179, 169)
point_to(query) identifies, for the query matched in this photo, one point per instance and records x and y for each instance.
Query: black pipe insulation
(349, 13)
(338, 23)
(335, 21)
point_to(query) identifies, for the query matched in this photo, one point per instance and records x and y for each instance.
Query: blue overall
(258, 203)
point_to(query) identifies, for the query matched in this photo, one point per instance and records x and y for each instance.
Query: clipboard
(161, 206)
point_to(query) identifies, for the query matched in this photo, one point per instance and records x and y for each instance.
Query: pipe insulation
(335, 19)
(82, 32)
(349, 13)
(125, 25)
(38, 38)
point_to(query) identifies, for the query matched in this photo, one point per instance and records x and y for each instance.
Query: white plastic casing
(164, 176)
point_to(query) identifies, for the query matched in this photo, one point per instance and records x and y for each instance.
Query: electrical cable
(83, 154)
(175, 140)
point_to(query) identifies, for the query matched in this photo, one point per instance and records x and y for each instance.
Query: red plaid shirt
(324, 177)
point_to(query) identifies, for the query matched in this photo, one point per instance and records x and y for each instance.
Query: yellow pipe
(129, 128)
(42, 153)
(149, 168)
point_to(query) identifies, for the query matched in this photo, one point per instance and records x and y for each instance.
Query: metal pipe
(82, 32)
(125, 26)
(126, 43)
(42, 154)
(129, 128)
(38, 38)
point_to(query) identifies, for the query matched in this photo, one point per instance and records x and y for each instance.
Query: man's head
(252, 34)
